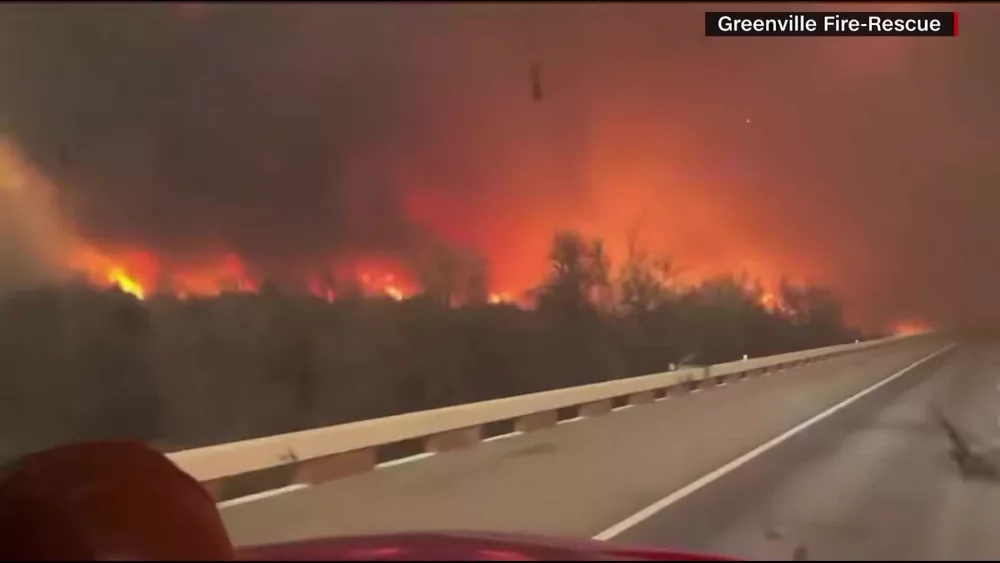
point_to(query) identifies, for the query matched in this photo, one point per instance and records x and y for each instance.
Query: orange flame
(503, 297)
(118, 277)
(143, 274)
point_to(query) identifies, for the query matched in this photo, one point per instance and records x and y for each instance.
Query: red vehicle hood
(461, 546)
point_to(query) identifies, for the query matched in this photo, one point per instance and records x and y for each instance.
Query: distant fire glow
(908, 328)
(769, 301)
(501, 298)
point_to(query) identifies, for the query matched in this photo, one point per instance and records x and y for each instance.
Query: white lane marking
(574, 419)
(694, 486)
(299, 486)
(402, 460)
(622, 407)
(261, 495)
(502, 436)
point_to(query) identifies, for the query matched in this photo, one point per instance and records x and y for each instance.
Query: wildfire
(907, 328)
(501, 298)
(119, 278)
(142, 274)
(385, 284)
(394, 292)
(769, 301)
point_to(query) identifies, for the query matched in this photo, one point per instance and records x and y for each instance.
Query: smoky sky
(291, 132)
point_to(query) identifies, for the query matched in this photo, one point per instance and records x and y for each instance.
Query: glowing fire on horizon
(226, 275)
(908, 328)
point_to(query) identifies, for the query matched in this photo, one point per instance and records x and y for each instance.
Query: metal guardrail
(321, 454)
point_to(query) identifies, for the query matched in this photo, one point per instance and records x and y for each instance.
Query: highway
(839, 459)
(873, 482)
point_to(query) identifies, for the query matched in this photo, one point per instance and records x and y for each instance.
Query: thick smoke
(180, 128)
(291, 133)
(33, 243)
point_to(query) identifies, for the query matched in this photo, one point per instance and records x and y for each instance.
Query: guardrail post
(596, 408)
(642, 398)
(327, 468)
(453, 439)
(537, 421)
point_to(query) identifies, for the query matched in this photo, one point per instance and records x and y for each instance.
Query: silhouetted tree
(580, 270)
(347, 288)
(270, 290)
(476, 291)
(816, 311)
(436, 270)
(644, 281)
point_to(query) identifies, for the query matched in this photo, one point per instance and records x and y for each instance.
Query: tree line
(82, 363)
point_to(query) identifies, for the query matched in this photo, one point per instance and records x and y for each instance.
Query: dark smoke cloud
(178, 128)
(290, 132)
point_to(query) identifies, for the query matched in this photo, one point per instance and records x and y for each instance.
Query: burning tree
(580, 275)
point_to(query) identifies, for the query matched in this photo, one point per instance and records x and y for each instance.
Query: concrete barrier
(331, 452)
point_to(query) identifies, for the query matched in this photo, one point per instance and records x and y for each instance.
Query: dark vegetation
(81, 363)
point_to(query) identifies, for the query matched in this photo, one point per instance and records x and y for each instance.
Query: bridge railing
(320, 454)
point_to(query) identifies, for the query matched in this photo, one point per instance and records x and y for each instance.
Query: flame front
(143, 274)
(118, 277)
(501, 298)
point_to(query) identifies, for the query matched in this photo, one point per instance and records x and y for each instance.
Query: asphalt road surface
(872, 479)
(875, 481)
